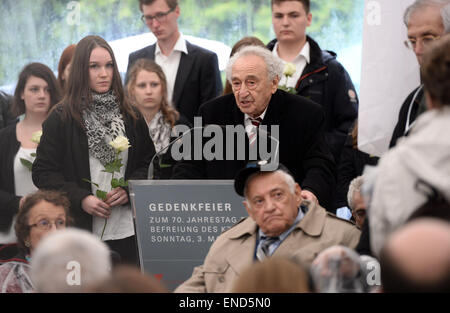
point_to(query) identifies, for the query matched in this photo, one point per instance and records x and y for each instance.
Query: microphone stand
(151, 168)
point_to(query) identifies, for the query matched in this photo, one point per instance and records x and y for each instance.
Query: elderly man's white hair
(274, 65)
(69, 260)
(419, 4)
(355, 186)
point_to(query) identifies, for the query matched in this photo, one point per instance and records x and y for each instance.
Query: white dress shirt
(170, 63)
(249, 127)
(120, 222)
(300, 62)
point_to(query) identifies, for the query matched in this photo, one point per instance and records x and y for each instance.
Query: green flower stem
(112, 177)
(104, 227)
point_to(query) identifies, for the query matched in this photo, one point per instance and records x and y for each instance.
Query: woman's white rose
(289, 69)
(36, 136)
(120, 144)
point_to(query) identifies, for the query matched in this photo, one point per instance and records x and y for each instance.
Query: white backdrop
(389, 73)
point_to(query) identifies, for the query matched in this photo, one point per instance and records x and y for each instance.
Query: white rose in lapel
(289, 69)
(36, 136)
(120, 144)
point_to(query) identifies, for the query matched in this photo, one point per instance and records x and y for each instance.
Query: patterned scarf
(103, 123)
(159, 131)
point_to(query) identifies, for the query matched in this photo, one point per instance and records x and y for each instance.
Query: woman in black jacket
(147, 90)
(75, 147)
(37, 91)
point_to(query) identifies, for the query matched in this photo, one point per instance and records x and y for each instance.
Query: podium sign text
(178, 220)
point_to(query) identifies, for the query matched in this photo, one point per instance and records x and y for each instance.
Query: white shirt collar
(305, 52)
(248, 118)
(180, 46)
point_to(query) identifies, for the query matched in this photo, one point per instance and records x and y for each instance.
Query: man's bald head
(416, 258)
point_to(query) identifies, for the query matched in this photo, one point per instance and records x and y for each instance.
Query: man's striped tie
(252, 136)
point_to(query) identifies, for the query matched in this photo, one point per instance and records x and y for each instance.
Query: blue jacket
(326, 82)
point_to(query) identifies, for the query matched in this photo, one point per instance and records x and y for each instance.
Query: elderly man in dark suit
(192, 72)
(254, 74)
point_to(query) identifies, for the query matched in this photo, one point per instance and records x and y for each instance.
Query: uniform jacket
(62, 160)
(9, 202)
(302, 147)
(198, 77)
(326, 82)
(233, 251)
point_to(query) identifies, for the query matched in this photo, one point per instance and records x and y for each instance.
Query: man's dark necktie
(262, 251)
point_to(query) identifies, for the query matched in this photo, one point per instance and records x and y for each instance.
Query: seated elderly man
(257, 104)
(356, 201)
(280, 224)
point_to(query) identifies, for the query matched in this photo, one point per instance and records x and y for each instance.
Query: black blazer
(62, 159)
(351, 165)
(399, 130)
(302, 143)
(198, 77)
(9, 202)
(164, 163)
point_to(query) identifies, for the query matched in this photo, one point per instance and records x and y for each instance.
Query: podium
(176, 221)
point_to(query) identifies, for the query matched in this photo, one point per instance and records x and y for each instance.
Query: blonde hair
(170, 114)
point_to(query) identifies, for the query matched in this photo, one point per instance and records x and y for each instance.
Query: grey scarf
(159, 131)
(103, 123)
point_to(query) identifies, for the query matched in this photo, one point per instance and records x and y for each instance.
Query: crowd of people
(326, 218)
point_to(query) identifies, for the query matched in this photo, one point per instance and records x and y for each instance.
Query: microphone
(151, 168)
(262, 134)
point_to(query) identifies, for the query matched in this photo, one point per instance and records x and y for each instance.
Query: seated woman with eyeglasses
(41, 213)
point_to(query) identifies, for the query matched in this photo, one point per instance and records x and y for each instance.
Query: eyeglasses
(426, 40)
(160, 17)
(46, 225)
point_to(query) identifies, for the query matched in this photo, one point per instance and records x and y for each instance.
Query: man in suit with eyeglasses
(426, 21)
(192, 72)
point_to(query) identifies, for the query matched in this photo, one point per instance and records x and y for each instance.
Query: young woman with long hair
(147, 90)
(37, 91)
(75, 147)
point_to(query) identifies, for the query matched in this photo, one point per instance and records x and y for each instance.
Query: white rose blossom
(289, 69)
(120, 144)
(36, 136)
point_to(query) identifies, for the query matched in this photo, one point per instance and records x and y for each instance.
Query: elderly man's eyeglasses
(160, 17)
(46, 224)
(426, 40)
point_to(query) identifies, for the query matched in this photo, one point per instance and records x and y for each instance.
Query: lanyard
(408, 125)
